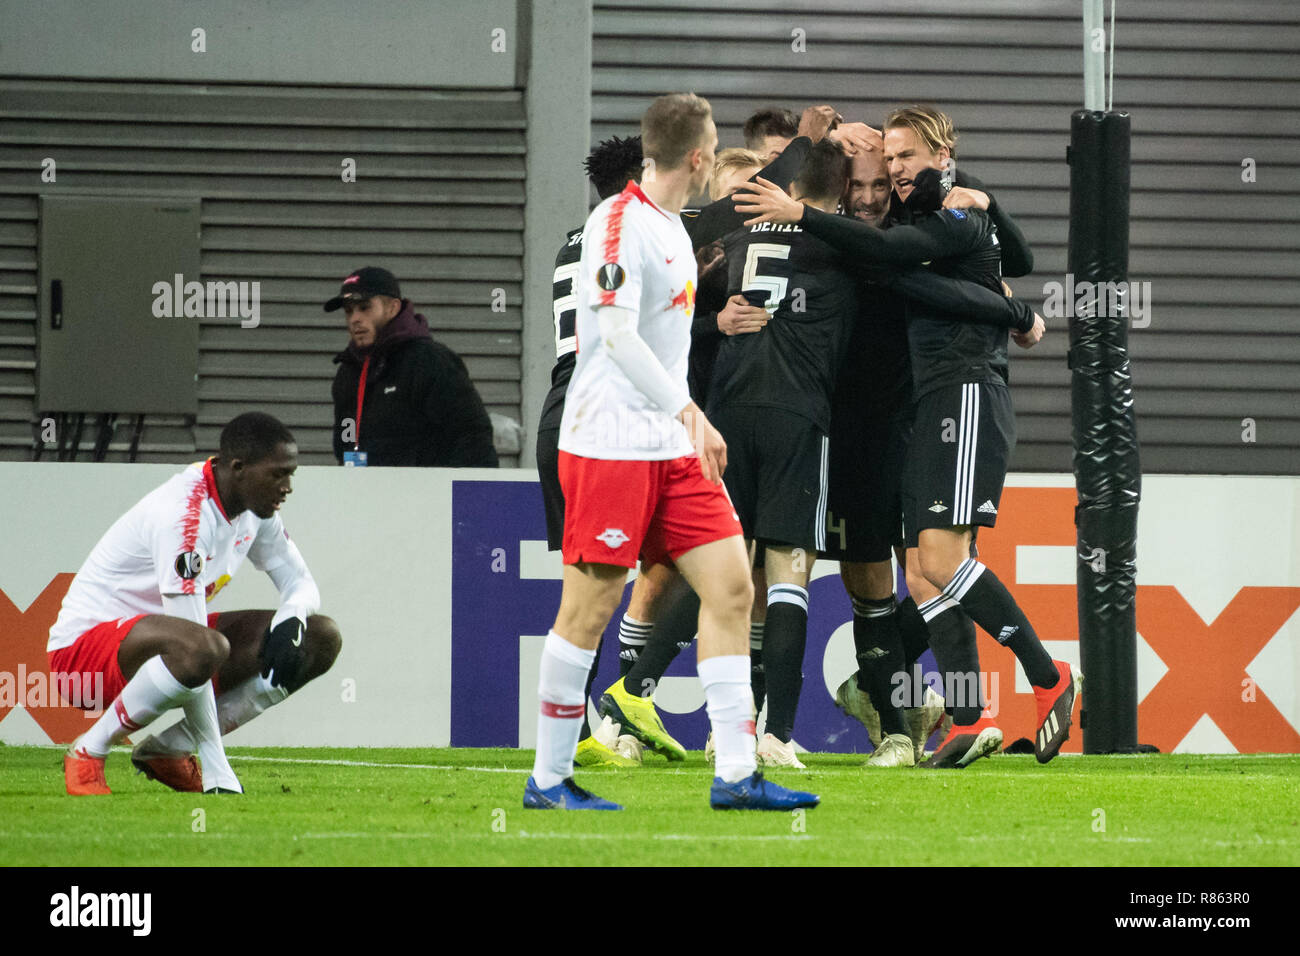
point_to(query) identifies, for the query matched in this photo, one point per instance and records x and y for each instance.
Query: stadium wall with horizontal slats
(438, 199)
(1208, 84)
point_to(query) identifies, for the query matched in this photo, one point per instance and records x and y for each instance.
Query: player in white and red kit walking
(136, 613)
(640, 467)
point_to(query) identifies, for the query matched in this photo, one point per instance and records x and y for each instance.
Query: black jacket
(420, 407)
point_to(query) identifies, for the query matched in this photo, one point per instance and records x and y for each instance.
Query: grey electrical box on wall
(100, 347)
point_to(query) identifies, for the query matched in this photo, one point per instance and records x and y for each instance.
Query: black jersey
(793, 362)
(710, 299)
(564, 309)
(876, 378)
(1017, 257)
(946, 347)
(720, 217)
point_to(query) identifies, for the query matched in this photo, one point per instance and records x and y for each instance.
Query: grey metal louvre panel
(438, 199)
(1207, 85)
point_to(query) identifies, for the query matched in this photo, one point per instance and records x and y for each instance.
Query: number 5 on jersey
(754, 281)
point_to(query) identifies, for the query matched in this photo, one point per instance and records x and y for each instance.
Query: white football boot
(625, 745)
(772, 752)
(894, 751)
(857, 705)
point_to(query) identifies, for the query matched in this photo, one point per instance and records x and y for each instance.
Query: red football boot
(1055, 706)
(179, 771)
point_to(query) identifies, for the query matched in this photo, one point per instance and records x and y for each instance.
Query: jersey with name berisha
(635, 256)
(792, 363)
(175, 541)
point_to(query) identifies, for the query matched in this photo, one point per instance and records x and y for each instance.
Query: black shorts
(865, 520)
(962, 439)
(548, 470)
(777, 474)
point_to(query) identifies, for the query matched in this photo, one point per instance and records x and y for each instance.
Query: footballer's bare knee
(191, 652)
(213, 648)
(730, 597)
(919, 586)
(590, 596)
(323, 642)
(197, 656)
(879, 580)
(649, 589)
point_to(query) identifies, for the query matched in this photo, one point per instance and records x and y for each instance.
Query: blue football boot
(566, 795)
(755, 793)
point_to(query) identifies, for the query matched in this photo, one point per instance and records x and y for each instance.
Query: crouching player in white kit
(632, 482)
(136, 613)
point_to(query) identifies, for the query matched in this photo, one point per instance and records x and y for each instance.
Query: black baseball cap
(365, 284)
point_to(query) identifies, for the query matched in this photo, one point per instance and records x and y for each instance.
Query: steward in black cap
(400, 398)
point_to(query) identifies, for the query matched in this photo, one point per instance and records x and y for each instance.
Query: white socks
(561, 691)
(150, 692)
(730, 702)
(235, 707)
(201, 715)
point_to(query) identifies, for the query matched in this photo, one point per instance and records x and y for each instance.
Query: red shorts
(615, 511)
(95, 652)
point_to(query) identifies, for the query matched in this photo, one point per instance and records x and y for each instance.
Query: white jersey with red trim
(636, 256)
(175, 542)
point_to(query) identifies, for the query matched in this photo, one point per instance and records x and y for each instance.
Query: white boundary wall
(379, 542)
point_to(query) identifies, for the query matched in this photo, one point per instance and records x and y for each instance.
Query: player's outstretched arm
(900, 246)
(854, 138)
(1030, 338)
(963, 301)
(940, 236)
(721, 216)
(1017, 257)
(765, 201)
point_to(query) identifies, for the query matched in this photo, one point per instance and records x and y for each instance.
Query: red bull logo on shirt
(685, 300)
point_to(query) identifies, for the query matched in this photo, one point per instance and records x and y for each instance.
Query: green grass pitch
(328, 806)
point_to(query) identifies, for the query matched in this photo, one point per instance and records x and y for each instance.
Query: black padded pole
(1107, 472)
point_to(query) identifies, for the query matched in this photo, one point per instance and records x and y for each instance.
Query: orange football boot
(84, 774)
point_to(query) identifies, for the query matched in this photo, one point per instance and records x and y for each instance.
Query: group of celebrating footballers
(814, 363)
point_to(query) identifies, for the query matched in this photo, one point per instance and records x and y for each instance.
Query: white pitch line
(1019, 838)
(367, 763)
(524, 835)
(698, 772)
(186, 835)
